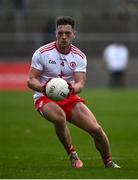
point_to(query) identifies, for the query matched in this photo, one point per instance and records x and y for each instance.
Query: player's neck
(63, 50)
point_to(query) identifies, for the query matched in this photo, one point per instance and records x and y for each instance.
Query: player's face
(65, 35)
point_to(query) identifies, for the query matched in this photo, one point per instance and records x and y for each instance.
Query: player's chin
(65, 44)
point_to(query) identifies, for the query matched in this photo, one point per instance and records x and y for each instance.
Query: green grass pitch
(29, 148)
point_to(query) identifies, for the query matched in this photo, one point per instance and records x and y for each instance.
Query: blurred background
(25, 25)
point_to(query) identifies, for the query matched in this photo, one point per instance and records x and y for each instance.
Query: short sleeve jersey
(53, 63)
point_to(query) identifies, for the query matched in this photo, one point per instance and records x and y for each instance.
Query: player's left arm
(80, 78)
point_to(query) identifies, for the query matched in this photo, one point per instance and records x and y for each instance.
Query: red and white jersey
(53, 63)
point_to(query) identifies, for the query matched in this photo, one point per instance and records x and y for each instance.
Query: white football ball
(57, 89)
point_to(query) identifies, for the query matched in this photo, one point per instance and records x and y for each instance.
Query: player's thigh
(52, 112)
(82, 117)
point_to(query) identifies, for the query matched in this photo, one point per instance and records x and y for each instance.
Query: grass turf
(29, 148)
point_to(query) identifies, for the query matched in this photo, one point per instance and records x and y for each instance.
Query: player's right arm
(32, 81)
(35, 72)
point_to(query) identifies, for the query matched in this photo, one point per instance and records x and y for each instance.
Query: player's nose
(64, 36)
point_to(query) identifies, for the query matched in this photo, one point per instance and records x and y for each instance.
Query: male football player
(62, 59)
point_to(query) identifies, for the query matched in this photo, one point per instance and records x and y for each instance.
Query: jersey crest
(72, 64)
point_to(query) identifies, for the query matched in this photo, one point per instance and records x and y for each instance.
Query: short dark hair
(64, 20)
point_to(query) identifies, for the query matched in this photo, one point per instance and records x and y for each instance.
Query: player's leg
(112, 79)
(56, 115)
(83, 118)
(121, 79)
(52, 112)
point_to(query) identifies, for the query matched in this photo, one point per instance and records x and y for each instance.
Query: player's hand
(71, 89)
(43, 87)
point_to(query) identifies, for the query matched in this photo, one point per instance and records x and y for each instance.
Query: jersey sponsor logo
(62, 59)
(52, 61)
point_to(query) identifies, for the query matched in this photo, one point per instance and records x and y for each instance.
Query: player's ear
(56, 34)
(74, 32)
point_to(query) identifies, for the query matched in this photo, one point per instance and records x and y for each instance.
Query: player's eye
(67, 33)
(60, 33)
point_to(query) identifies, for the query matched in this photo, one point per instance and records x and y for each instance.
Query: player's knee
(60, 119)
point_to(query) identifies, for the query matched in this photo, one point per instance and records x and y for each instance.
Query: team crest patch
(73, 65)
